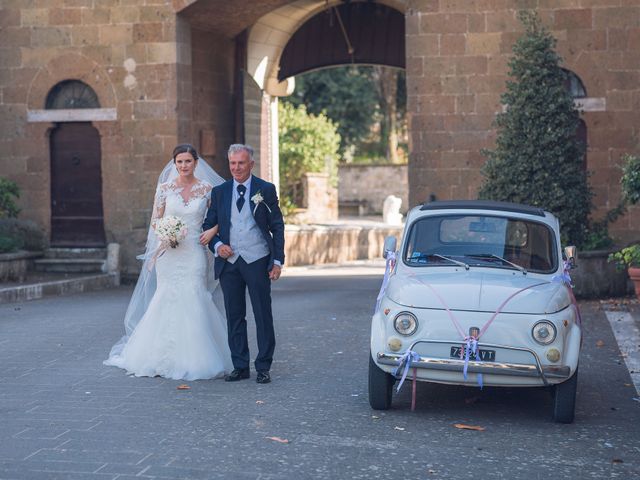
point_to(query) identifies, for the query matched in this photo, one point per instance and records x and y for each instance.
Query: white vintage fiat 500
(477, 294)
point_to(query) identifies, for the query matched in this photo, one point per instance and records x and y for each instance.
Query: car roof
(483, 205)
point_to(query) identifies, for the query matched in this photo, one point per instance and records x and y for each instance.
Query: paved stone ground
(63, 415)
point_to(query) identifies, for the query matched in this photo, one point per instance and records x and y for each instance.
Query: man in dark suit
(249, 250)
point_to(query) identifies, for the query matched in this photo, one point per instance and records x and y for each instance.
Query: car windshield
(481, 241)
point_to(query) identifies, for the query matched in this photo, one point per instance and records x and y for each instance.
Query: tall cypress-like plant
(537, 159)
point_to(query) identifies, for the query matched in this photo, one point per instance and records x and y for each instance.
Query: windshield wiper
(491, 255)
(448, 259)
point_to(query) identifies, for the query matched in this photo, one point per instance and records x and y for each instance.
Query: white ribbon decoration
(391, 262)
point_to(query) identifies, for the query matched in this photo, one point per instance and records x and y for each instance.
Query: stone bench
(14, 266)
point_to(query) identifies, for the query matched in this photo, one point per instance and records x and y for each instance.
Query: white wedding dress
(182, 334)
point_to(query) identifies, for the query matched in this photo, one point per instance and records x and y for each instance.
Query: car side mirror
(571, 252)
(390, 244)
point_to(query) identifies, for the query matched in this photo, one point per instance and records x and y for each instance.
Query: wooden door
(76, 186)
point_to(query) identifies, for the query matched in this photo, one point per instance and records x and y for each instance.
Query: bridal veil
(146, 285)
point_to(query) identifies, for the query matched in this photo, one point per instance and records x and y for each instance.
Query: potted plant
(629, 257)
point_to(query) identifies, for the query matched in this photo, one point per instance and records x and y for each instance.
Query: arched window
(71, 94)
(575, 87)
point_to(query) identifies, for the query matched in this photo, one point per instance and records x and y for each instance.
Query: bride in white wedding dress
(173, 327)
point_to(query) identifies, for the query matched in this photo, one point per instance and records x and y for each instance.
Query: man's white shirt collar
(246, 183)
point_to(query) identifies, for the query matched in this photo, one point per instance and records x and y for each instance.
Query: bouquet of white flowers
(170, 230)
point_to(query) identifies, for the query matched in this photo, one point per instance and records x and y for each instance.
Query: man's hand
(275, 272)
(225, 251)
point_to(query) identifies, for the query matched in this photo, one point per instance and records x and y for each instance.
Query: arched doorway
(364, 33)
(575, 87)
(76, 180)
(340, 50)
(327, 33)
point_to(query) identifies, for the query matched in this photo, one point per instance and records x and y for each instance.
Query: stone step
(69, 265)
(33, 291)
(100, 253)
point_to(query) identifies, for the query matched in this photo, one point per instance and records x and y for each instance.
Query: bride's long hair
(147, 284)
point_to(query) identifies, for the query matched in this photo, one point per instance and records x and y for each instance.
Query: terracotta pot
(634, 275)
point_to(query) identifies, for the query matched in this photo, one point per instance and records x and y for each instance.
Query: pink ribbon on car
(471, 342)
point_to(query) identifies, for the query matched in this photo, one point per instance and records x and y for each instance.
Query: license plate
(485, 355)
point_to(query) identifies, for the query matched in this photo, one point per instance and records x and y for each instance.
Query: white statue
(391, 210)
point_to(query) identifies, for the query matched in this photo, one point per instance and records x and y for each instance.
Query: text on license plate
(485, 355)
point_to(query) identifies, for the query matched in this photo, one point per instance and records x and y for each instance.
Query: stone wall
(128, 55)
(168, 83)
(319, 202)
(367, 186)
(596, 277)
(315, 244)
(169, 78)
(212, 95)
(457, 54)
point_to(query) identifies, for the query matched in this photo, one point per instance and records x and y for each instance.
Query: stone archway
(250, 37)
(310, 34)
(68, 66)
(269, 36)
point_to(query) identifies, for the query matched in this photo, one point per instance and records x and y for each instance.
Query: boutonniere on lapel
(257, 199)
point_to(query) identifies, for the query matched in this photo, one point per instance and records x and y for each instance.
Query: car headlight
(544, 332)
(405, 323)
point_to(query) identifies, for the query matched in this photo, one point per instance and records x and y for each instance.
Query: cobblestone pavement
(63, 415)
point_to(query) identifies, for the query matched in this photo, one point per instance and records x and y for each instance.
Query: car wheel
(564, 400)
(380, 386)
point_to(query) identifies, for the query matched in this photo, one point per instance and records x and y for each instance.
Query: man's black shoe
(263, 377)
(237, 374)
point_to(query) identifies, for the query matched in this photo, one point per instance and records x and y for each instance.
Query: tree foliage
(368, 105)
(9, 193)
(308, 143)
(537, 159)
(630, 180)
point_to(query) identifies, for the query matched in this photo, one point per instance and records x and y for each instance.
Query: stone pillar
(275, 145)
(253, 115)
(320, 198)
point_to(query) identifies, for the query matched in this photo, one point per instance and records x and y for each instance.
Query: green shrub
(308, 143)
(627, 257)
(22, 234)
(537, 159)
(9, 192)
(630, 180)
(287, 206)
(9, 244)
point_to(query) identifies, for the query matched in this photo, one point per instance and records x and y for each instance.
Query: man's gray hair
(239, 147)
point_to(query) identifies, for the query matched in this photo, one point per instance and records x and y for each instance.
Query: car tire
(564, 400)
(380, 386)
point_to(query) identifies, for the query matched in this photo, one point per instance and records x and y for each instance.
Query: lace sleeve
(159, 203)
(209, 188)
